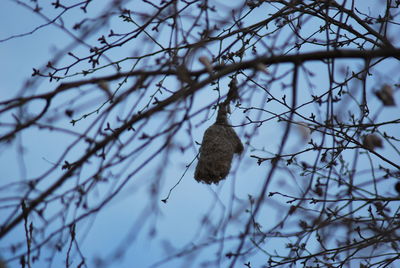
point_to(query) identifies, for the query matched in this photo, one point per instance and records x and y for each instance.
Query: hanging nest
(220, 143)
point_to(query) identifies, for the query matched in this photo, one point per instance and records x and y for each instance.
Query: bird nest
(220, 143)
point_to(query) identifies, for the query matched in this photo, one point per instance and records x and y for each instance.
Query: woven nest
(220, 143)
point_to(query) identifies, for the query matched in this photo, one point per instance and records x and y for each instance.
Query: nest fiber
(220, 143)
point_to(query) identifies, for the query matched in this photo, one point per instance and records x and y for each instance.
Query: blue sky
(124, 222)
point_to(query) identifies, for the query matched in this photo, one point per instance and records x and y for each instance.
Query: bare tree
(308, 87)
